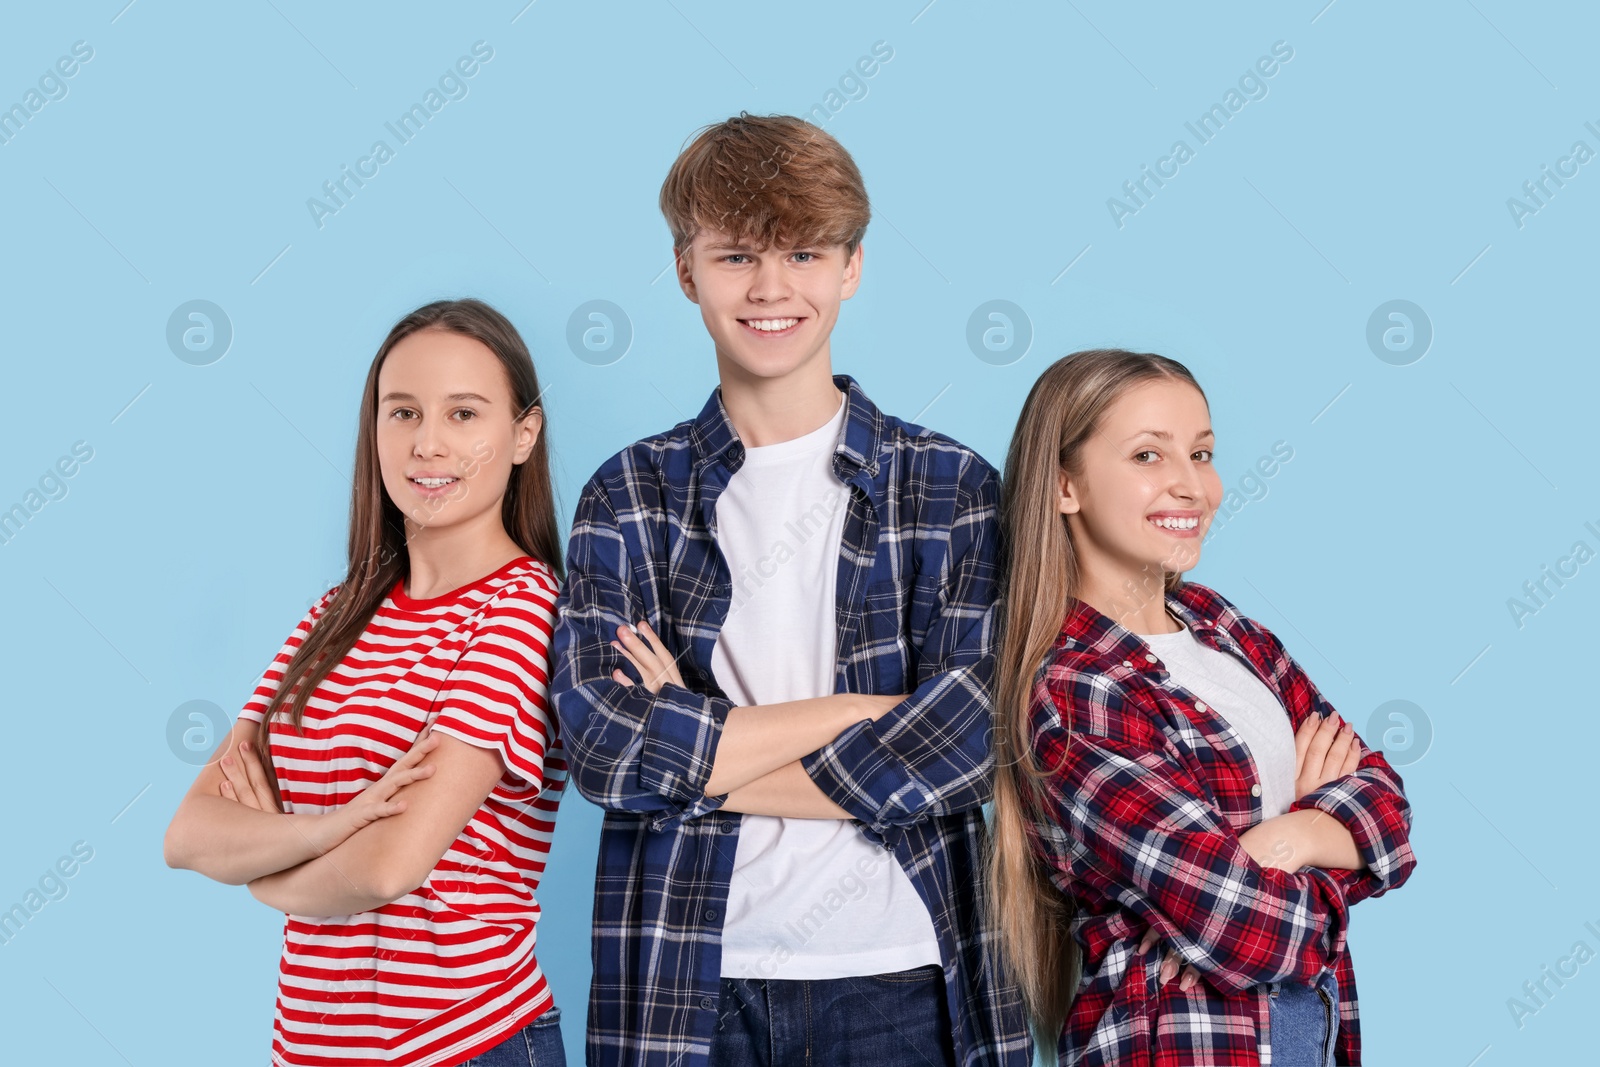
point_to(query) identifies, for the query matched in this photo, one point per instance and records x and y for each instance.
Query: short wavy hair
(772, 180)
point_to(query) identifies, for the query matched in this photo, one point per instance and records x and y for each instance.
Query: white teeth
(1177, 524)
(433, 483)
(770, 325)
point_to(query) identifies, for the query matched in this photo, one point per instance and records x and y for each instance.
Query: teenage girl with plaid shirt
(1181, 819)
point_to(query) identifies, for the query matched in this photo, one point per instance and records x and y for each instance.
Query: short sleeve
(496, 695)
(267, 685)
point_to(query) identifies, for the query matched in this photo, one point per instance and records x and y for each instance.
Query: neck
(1135, 601)
(769, 411)
(446, 558)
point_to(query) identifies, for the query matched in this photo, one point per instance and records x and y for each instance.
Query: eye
(397, 412)
(465, 411)
(1146, 452)
(805, 257)
(735, 256)
(1205, 452)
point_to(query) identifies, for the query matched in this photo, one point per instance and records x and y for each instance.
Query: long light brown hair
(376, 548)
(1039, 578)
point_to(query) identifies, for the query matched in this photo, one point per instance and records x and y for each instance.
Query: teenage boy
(794, 767)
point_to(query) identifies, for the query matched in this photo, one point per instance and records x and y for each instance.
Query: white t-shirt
(809, 898)
(1243, 700)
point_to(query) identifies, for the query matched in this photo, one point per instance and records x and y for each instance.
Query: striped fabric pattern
(1147, 792)
(449, 969)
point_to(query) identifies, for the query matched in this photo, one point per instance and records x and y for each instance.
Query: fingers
(1352, 762)
(1317, 748)
(644, 648)
(1302, 741)
(257, 777)
(236, 784)
(418, 751)
(1339, 752)
(1148, 942)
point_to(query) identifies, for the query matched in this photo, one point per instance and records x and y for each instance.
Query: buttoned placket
(1205, 631)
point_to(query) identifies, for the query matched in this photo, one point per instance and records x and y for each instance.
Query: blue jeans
(1304, 1020)
(898, 1019)
(536, 1045)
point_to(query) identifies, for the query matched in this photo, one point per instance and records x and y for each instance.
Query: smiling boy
(792, 749)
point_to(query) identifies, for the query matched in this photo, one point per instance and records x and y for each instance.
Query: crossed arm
(662, 749)
(1240, 909)
(374, 849)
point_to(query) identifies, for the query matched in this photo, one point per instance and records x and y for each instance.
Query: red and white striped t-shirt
(448, 970)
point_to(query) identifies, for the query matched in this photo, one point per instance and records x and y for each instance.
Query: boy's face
(769, 311)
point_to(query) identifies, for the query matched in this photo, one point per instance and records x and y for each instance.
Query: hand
(1323, 750)
(377, 801)
(646, 651)
(1170, 965)
(245, 780)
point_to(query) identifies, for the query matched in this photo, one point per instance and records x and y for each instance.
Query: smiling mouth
(433, 483)
(774, 327)
(1176, 525)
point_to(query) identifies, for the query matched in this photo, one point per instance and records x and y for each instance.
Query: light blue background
(1377, 167)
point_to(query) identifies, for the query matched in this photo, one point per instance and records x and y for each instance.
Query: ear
(527, 434)
(852, 274)
(1067, 502)
(683, 261)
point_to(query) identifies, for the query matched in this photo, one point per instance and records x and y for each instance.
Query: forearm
(788, 792)
(1304, 838)
(758, 740)
(320, 887)
(234, 844)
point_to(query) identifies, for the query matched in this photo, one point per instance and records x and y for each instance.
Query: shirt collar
(1103, 640)
(712, 436)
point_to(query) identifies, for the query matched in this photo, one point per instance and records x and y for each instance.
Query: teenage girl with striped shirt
(1182, 821)
(391, 785)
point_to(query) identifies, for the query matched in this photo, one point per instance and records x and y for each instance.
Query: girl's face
(447, 435)
(1148, 490)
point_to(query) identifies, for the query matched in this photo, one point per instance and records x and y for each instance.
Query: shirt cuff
(864, 777)
(1351, 800)
(681, 731)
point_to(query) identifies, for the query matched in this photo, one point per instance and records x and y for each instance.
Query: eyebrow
(1165, 436)
(452, 397)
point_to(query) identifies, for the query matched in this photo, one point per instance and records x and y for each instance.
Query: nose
(1186, 485)
(769, 283)
(428, 438)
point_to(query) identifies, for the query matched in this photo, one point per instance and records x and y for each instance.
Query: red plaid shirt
(1146, 805)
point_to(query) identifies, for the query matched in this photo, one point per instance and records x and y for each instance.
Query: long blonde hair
(1039, 578)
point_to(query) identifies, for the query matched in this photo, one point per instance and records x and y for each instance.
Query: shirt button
(711, 915)
(725, 826)
(1199, 705)
(1127, 663)
(1255, 790)
(708, 1003)
(1149, 657)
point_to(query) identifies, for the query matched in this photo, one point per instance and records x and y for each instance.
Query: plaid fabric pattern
(1147, 791)
(915, 614)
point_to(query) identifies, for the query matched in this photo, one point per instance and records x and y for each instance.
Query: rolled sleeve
(931, 754)
(630, 750)
(1369, 803)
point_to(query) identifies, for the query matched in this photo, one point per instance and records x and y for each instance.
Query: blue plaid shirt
(915, 613)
